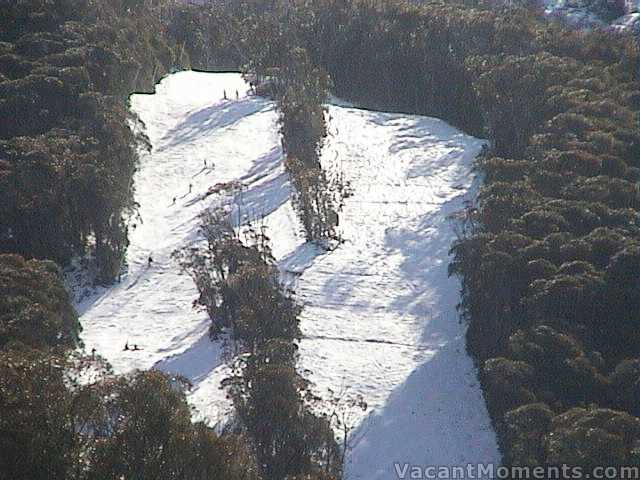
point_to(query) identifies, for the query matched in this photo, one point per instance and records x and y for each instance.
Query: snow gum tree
(239, 283)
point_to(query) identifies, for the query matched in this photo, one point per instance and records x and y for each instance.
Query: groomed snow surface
(379, 316)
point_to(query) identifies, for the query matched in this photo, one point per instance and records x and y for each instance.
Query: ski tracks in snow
(379, 315)
(380, 311)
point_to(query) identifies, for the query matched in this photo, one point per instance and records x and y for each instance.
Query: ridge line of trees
(301, 90)
(240, 287)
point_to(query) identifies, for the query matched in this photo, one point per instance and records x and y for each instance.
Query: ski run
(379, 318)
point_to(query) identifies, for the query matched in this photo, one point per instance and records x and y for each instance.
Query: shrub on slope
(240, 287)
(34, 305)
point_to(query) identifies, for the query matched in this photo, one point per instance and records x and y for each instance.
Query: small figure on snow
(190, 187)
(149, 261)
(93, 353)
(126, 346)
(135, 347)
(174, 201)
(224, 95)
(237, 95)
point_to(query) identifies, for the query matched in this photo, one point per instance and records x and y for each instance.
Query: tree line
(240, 288)
(301, 90)
(67, 153)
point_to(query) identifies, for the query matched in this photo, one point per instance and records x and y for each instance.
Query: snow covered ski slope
(379, 314)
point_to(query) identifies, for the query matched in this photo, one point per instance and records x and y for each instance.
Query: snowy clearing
(379, 314)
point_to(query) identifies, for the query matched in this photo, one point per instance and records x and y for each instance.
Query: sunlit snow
(379, 314)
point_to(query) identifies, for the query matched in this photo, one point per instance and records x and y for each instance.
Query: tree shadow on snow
(195, 363)
(437, 416)
(211, 118)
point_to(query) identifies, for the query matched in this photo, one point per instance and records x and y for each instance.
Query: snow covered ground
(379, 314)
(580, 14)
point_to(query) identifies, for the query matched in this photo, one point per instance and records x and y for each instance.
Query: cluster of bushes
(301, 92)
(67, 153)
(240, 287)
(53, 427)
(550, 263)
(34, 305)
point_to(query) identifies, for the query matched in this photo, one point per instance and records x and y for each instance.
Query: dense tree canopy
(67, 154)
(34, 305)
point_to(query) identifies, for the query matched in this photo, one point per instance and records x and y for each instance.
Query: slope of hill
(379, 315)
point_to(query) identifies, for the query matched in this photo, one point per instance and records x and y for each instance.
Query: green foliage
(37, 424)
(240, 287)
(524, 428)
(67, 156)
(625, 380)
(239, 283)
(138, 426)
(592, 437)
(301, 90)
(34, 306)
(288, 438)
(145, 431)
(509, 383)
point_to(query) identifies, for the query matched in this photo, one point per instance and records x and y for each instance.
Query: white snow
(579, 13)
(379, 314)
(574, 12)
